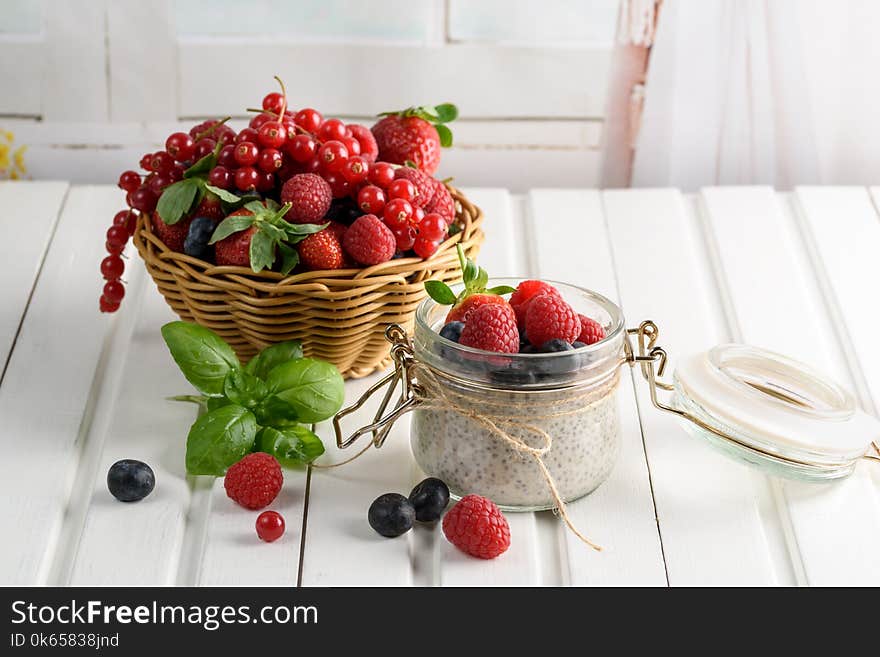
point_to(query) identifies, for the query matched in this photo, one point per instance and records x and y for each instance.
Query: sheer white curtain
(778, 92)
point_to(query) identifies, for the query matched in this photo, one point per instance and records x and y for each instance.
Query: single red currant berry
(333, 155)
(356, 169)
(432, 227)
(221, 177)
(114, 249)
(274, 102)
(161, 161)
(108, 306)
(266, 181)
(117, 235)
(308, 119)
(204, 146)
(398, 213)
(418, 215)
(114, 291)
(129, 180)
(402, 188)
(272, 134)
(314, 165)
(180, 146)
(381, 174)
(145, 161)
(260, 119)
(226, 157)
(331, 129)
(270, 526)
(159, 182)
(425, 248)
(248, 134)
(352, 144)
(371, 199)
(112, 267)
(127, 219)
(302, 148)
(246, 153)
(339, 186)
(247, 179)
(405, 237)
(176, 172)
(142, 199)
(270, 160)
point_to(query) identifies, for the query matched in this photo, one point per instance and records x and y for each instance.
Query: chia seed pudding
(570, 397)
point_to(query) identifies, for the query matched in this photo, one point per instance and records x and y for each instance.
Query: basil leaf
(445, 135)
(289, 258)
(219, 439)
(277, 413)
(201, 355)
(440, 292)
(292, 446)
(313, 387)
(446, 112)
(177, 199)
(224, 195)
(273, 356)
(244, 389)
(262, 251)
(214, 403)
(231, 224)
(501, 289)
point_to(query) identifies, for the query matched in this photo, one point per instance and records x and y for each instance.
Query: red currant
(432, 227)
(124, 218)
(270, 160)
(274, 102)
(302, 148)
(129, 180)
(356, 169)
(117, 235)
(176, 172)
(418, 215)
(425, 248)
(161, 161)
(398, 213)
(180, 146)
(247, 179)
(145, 161)
(114, 291)
(333, 155)
(381, 174)
(142, 199)
(226, 157)
(308, 119)
(331, 129)
(371, 199)
(270, 526)
(260, 119)
(221, 177)
(204, 146)
(314, 165)
(246, 153)
(272, 134)
(159, 182)
(338, 185)
(352, 144)
(402, 188)
(113, 249)
(225, 135)
(266, 181)
(405, 237)
(248, 134)
(108, 306)
(112, 267)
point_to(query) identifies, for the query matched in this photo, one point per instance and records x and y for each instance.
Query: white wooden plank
(30, 211)
(709, 508)
(771, 293)
(620, 514)
(22, 58)
(46, 411)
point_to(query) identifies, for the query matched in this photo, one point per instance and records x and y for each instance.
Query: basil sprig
(262, 407)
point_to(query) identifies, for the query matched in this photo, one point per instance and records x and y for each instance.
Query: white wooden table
(793, 272)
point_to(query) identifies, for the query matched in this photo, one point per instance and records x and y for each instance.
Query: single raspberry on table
(310, 197)
(369, 241)
(321, 250)
(462, 310)
(477, 527)
(491, 327)
(441, 202)
(172, 236)
(591, 330)
(525, 292)
(423, 183)
(549, 317)
(254, 481)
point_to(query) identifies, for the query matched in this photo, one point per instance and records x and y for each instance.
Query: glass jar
(490, 411)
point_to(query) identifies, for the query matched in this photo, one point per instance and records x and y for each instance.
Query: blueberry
(527, 349)
(429, 498)
(577, 344)
(196, 242)
(344, 210)
(391, 515)
(511, 376)
(130, 480)
(556, 344)
(452, 331)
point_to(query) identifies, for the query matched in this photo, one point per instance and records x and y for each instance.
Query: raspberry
(254, 481)
(525, 292)
(591, 330)
(549, 317)
(321, 250)
(369, 149)
(462, 310)
(477, 527)
(423, 183)
(491, 327)
(172, 236)
(369, 241)
(310, 196)
(441, 202)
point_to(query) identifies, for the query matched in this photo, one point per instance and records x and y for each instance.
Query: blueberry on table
(452, 331)
(130, 480)
(429, 498)
(391, 515)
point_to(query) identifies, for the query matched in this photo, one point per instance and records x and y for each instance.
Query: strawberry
(235, 249)
(474, 294)
(415, 135)
(462, 310)
(321, 250)
(174, 235)
(209, 207)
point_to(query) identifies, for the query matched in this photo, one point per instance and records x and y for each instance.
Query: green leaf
(303, 229)
(481, 279)
(470, 273)
(219, 439)
(292, 446)
(232, 224)
(205, 164)
(201, 355)
(214, 403)
(224, 195)
(289, 258)
(192, 399)
(277, 233)
(446, 112)
(427, 112)
(273, 356)
(244, 389)
(313, 387)
(440, 292)
(276, 412)
(501, 289)
(177, 200)
(262, 251)
(445, 135)
(272, 204)
(454, 229)
(256, 207)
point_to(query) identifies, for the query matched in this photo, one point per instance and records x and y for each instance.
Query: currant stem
(210, 131)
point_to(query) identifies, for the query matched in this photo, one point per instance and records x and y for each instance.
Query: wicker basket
(339, 316)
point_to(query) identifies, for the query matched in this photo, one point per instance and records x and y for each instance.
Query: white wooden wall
(90, 85)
